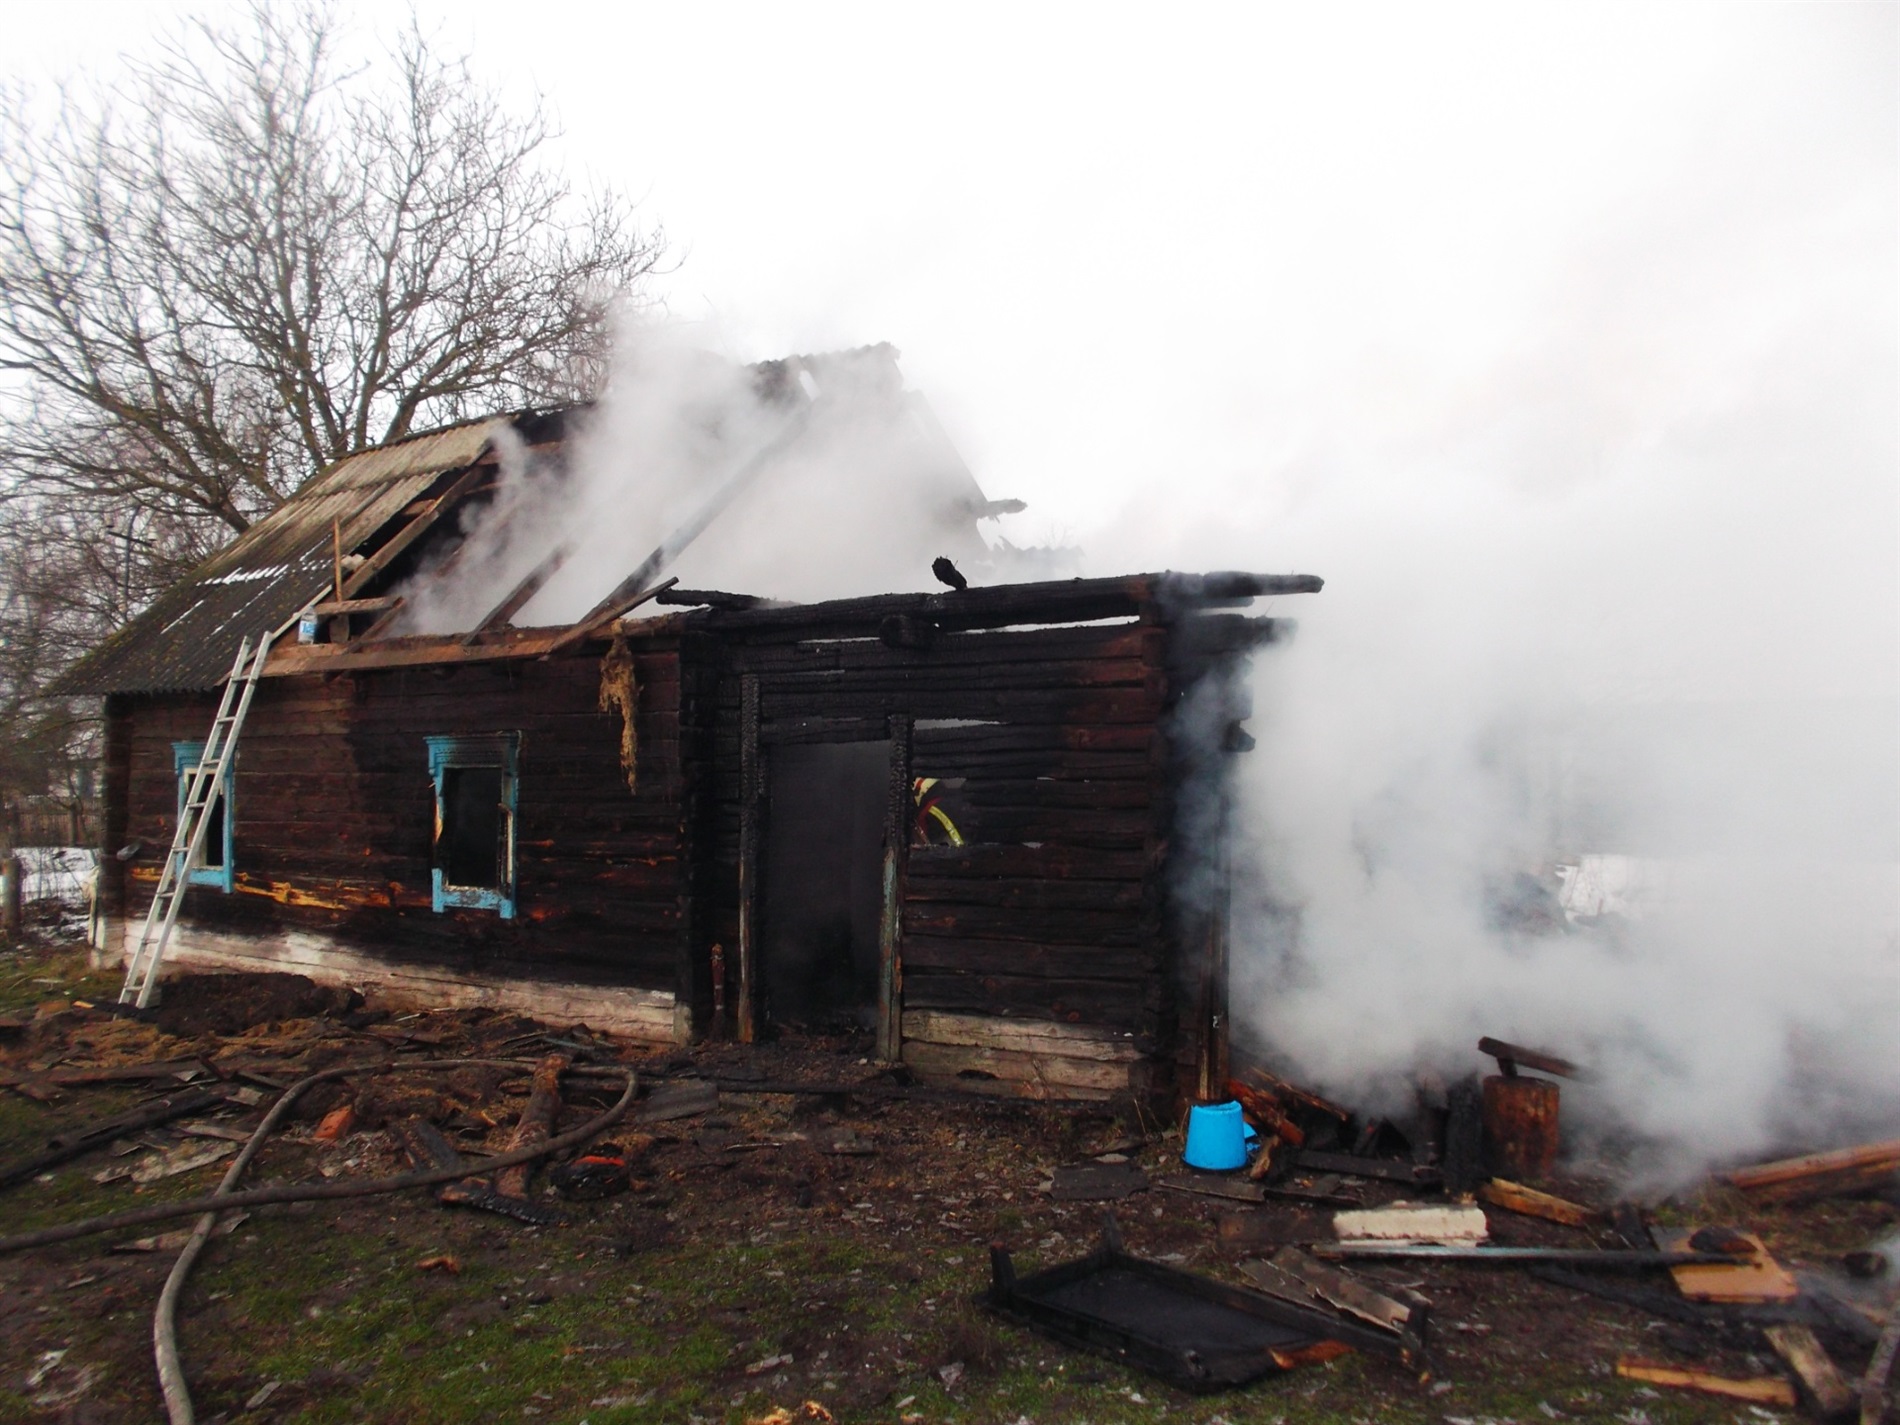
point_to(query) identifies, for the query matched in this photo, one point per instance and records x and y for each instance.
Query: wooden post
(890, 939)
(10, 896)
(751, 805)
(1213, 1074)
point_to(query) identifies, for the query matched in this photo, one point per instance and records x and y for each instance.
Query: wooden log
(598, 622)
(10, 880)
(1815, 1175)
(1515, 1197)
(1294, 1094)
(518, 596)
(1029, 960)
(1511, 1056)
(1265, 1113)
(463, 485)
(923, 888)
(537, 1122)
(338, 607)
(1796, 1344)
(1026, 1075)
(1520, 1125)
(1759, 1390)
(1076, 1041)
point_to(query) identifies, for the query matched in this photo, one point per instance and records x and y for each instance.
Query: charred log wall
(335, 815)
(1047, 754)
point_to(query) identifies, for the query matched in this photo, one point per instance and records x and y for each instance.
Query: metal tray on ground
(1192, 1331)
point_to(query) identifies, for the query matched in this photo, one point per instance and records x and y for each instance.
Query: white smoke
(1619, 581)
(848, 487)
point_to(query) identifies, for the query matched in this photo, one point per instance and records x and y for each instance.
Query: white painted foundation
(650, 1016)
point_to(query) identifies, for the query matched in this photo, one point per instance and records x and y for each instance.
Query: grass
(627, 1317)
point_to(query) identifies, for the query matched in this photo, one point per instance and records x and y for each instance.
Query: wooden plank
(464, 484)
(357, 606)
(1031, 960)
(1293, 1276)
(1043, 863)
(1819, 1174)
(1125, 1005)
(897, 821)
(1515, 1197)
(518, 596)
(1077, 1041)
(597, 623)
(1023, 893)
(1511, 1056)
(1070, 927)
(1759, 1390)
(1030, 1075)
(1797, 1345)
(751, 799)
(1753, 1278)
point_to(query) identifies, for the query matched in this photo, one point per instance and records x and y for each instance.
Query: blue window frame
(475, 784)
(214, 866)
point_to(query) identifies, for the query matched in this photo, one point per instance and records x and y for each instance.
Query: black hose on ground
(171, 1369)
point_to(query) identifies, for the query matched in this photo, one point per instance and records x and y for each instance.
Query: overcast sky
(1218, 285)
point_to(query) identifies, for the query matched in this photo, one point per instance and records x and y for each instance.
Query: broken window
(213, 866)
(474, 821)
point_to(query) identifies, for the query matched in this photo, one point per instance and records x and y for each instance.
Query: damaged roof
(186, 640)
(189, 636)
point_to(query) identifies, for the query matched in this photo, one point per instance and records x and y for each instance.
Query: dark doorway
(823, 884)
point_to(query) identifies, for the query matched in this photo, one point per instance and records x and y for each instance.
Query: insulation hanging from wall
(619, 693)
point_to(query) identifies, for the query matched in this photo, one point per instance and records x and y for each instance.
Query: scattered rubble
(1726, 1284)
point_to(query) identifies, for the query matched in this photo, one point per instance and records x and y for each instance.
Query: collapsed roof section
(535, 517)
(188, 637)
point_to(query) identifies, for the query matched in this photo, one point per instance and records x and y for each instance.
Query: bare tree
(260, 260)
(255, 259)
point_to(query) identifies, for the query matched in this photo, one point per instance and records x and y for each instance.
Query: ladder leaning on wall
(204, 784)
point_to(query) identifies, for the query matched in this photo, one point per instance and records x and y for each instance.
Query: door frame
(754, 812)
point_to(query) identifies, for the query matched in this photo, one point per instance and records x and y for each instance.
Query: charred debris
(1343, 1232)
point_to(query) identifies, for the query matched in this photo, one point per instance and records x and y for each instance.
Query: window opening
(475, 794)
(213, 866)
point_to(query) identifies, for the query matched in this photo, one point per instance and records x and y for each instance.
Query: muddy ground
(774, 1251)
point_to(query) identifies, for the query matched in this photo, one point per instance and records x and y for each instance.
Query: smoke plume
(1613, 598)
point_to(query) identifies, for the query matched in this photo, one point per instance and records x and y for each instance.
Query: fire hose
(164, 1320)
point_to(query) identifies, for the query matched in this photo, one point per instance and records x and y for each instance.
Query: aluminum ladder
(203, 785)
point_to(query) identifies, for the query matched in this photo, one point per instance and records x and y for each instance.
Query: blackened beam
(463, 485)
(994, 606)
(1000, 605)
(712, 599)
(630, 588)
(581, 632)
(521, 593)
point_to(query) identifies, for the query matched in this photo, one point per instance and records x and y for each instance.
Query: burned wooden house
(979, 826)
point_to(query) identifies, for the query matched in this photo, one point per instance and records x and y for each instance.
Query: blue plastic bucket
(1216, 1137)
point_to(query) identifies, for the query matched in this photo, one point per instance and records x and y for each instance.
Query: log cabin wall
(334, 824)
(1035, 957)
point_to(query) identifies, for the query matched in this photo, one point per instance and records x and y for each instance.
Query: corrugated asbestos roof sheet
(188, 637)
